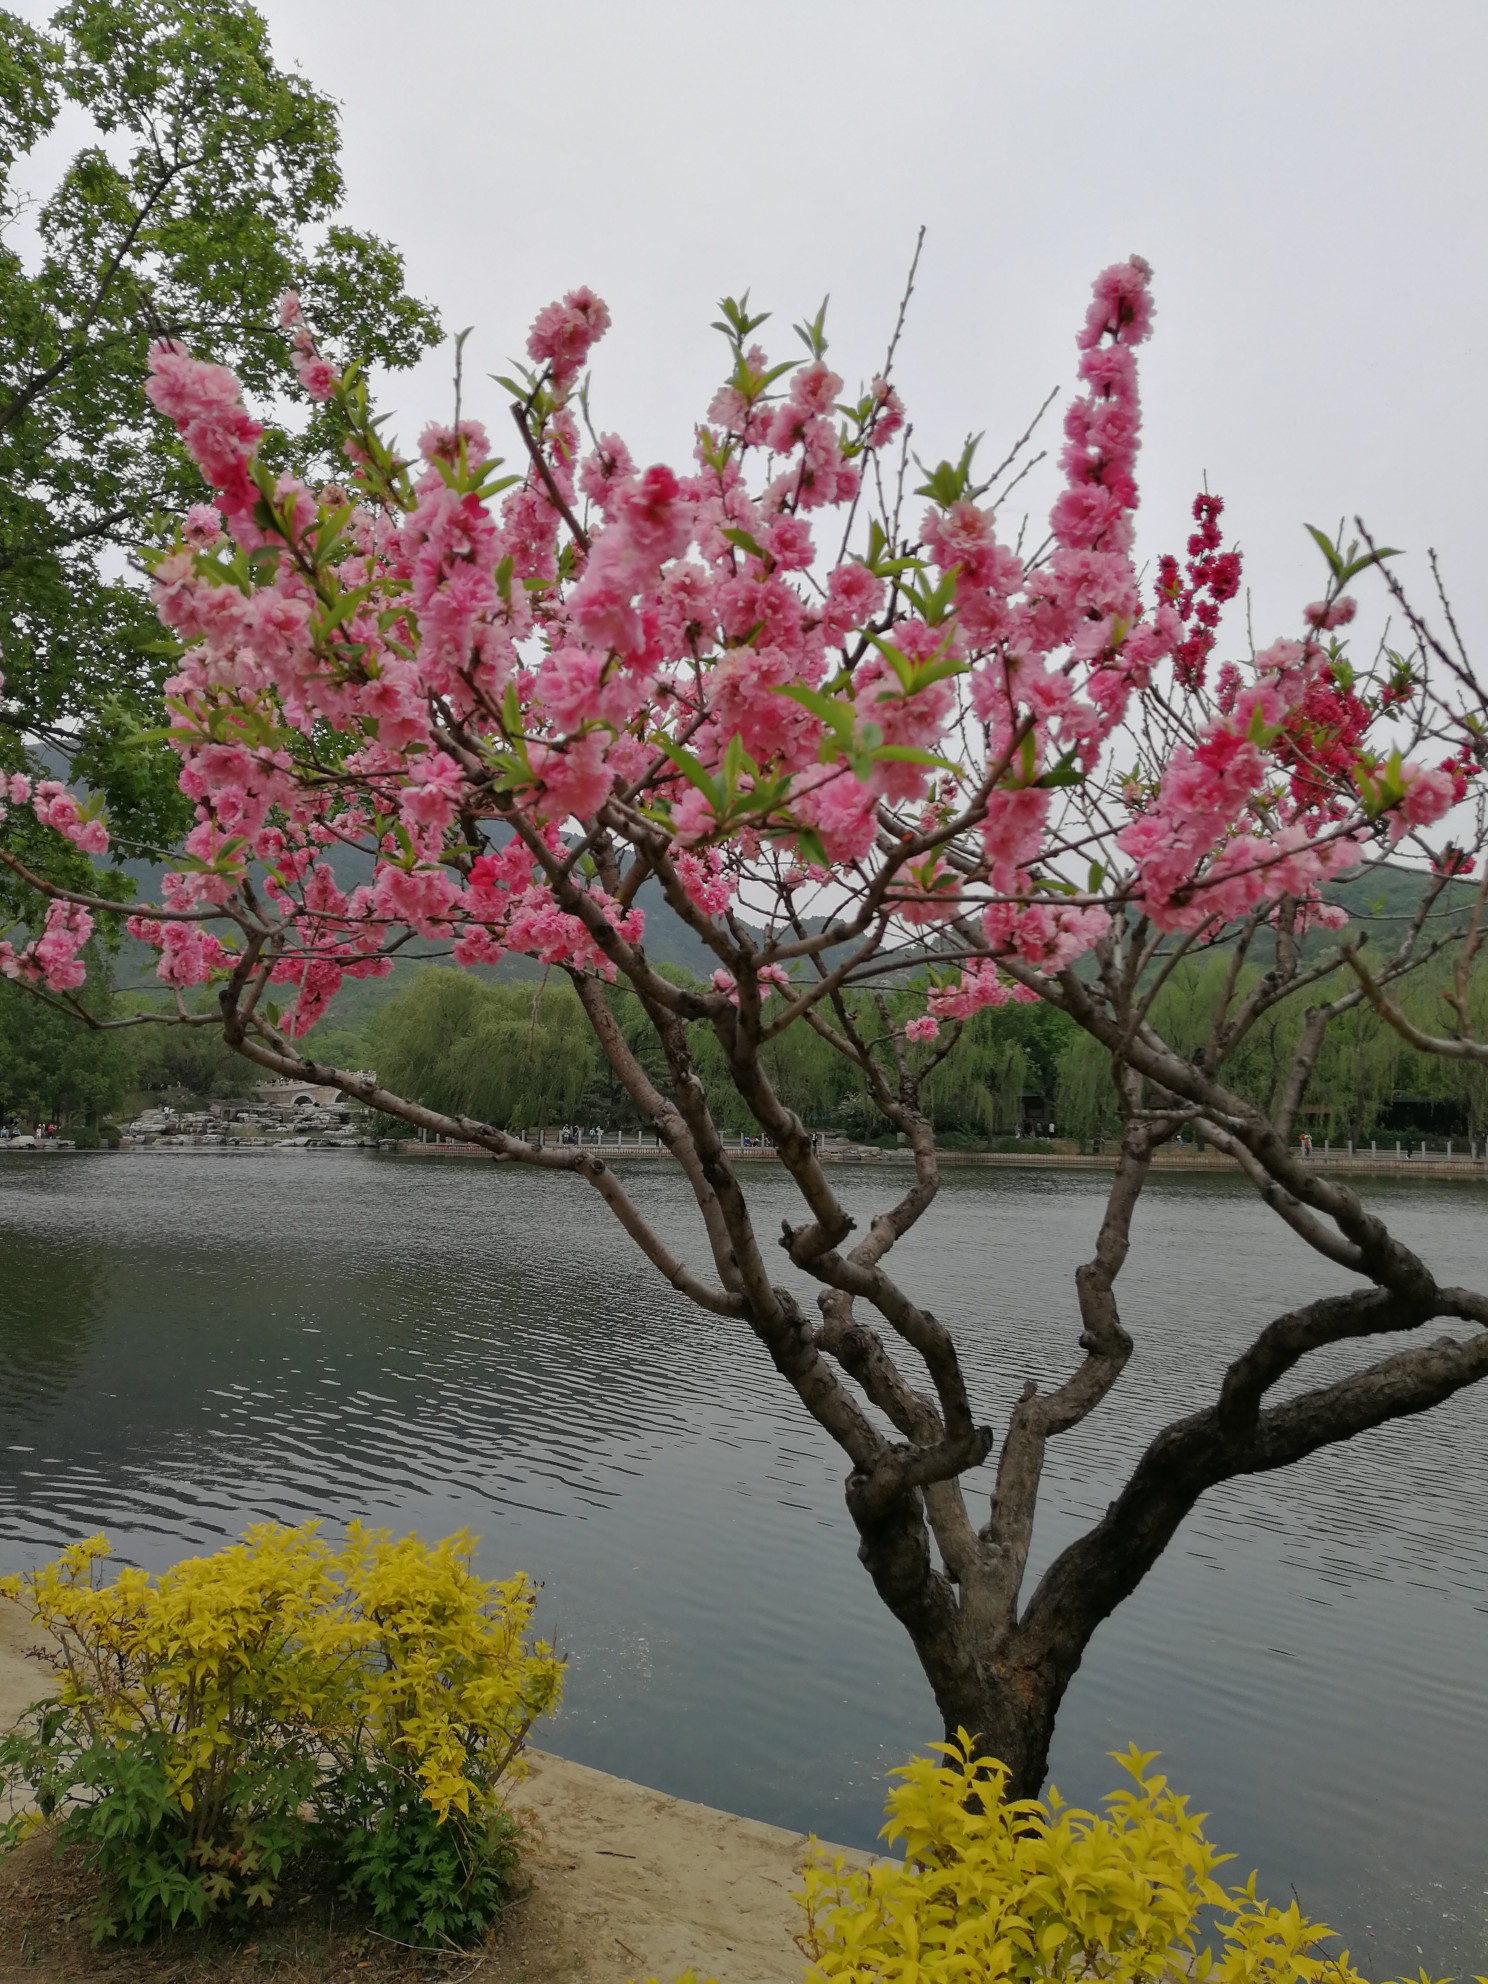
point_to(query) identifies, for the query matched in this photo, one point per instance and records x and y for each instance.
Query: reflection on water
(191, 1343)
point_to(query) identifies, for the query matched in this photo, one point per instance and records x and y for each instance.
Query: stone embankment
(1357, 1163)
(277, 1112)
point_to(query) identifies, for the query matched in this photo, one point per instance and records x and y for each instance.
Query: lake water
(192, 1342)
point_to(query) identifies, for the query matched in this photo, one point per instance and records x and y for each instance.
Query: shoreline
(626, 1882)
(1356, 1164)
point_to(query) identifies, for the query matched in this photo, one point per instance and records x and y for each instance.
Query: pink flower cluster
(979, 987)
(605, 648)
(771, 978)
(57, 808)
(1207, 847)
(1428, 794)
(53, 959)
(565, 332)
(189, 955)
(316, 374)
(204, 404)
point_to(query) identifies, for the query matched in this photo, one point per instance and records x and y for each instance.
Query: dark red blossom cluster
(1321, 740)
(1452, 861)
(1213, 579)
(1460, 767)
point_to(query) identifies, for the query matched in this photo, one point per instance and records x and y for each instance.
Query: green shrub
(278, 1701)
(427, 1879)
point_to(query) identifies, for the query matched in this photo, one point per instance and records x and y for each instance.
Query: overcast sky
(1307, 179)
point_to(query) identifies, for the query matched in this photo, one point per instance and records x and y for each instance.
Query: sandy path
(626, 1882)
(22, 1679)
(630, 1883)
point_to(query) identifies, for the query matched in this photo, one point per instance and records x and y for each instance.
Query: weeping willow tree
(1364, 1070)
(513, 1055)
(522, 1056)
(1360, 1071)
(977, 1092)
(1459, 1083)
(814, 1081)
(1001, 1058)
(980, 1086)
(1085, 1096)
(53, 1071)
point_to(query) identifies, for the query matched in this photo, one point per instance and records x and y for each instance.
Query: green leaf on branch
(1358, 565)
(948, 482)
(839, 717)
(745, 542)
(736, 763)
(814, 334)
(329, 530)
(738, 324)
(879, 560)
(716, 454)
(340, 609)
(494, 486)
(1260, 732)
(1346, 565)
(1325, 544)
(911, 754)
(934, 603)
(692, 770)
(1066, 772)
(751, 385)
(809, 844)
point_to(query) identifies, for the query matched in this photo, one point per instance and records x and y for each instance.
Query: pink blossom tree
(858, 747)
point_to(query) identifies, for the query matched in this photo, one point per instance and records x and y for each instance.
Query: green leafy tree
(1003, 1055)
(51, 1069)
(180, 1064)
(1085, 1099)
(209, 185)
(514, 1054)
(1359, 1070)
(1363, 1070)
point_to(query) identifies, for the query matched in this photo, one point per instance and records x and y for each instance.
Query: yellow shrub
(213, 1722)
(994, 1888)
(443, 1676)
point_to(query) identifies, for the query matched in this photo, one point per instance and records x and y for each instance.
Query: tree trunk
(986, 1676)
(1006, 1707)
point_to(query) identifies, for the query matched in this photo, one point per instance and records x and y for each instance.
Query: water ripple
(190, 1344)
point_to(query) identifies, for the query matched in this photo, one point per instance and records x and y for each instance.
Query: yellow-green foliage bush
(993, 1888)
(282, 1700)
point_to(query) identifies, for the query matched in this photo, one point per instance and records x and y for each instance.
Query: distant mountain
(669, 941)
(1380, 899)
(1387, 896)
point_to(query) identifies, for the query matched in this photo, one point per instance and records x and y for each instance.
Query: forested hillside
(506, 1043)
